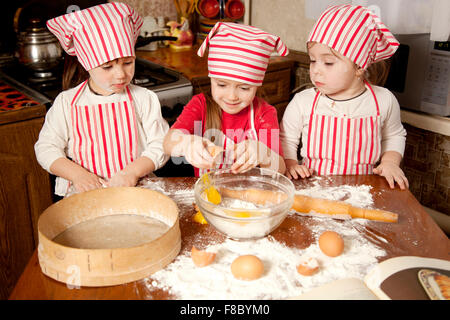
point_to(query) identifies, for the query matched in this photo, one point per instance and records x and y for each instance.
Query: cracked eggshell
(202, 258)
(308, 267)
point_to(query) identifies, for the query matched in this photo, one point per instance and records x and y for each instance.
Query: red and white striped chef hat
(240, 52)
(356, 33)
(98, 34)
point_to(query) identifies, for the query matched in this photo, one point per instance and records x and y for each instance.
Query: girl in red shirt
(231, 116)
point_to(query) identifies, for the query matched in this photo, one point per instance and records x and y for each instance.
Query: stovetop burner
(43, 76)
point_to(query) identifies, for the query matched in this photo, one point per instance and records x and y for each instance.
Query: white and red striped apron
(228, 144)
(105, 137)
(343, 145)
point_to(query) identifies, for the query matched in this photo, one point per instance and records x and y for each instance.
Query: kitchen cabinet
(25, 192)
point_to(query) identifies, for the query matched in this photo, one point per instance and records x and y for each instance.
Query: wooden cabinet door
(25, 193)
(276, 86)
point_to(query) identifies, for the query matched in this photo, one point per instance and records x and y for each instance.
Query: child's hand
(392, 172)
(294, 170)
(123, 179)
(246, 156)
(196, 152)
(87, 181)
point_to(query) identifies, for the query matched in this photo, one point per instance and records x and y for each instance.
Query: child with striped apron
(346, 125)
(105, 131)
(231, 115)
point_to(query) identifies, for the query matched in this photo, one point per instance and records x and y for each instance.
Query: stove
(172, 88)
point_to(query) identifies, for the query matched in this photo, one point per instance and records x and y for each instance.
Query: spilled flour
(357, 196)
(183, 280)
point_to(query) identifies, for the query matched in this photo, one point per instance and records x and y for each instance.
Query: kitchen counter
(414, 234)
(188, 62)
(426, 121)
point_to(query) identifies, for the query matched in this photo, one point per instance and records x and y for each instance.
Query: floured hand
(122, 179)
(87, 181)
(393, 174)
(246, 156)
(298, 170)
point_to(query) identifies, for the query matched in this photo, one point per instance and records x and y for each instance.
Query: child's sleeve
(155, 128)
(393, 135)
(291, 128)
(54, 135)
(192, 116)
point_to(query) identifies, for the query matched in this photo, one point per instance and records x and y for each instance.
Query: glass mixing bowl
(253, 203)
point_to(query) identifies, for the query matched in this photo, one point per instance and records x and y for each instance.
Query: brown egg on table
(331, 243)
(202, 258)
(247, 267)
(308, 267)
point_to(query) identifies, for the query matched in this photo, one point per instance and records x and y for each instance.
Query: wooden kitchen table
(415, 234)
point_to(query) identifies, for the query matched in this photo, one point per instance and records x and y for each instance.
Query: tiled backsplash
(154, 8)
(426, 164)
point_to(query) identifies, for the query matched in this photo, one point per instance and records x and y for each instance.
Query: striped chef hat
(240, 52)
(356, 33)
(98, 34)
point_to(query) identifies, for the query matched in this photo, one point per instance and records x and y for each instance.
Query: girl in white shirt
(346, 125)
(105, 131)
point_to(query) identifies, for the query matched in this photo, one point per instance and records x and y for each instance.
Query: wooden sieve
(113, 266)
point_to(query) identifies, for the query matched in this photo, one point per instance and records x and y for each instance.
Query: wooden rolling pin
(307, 204)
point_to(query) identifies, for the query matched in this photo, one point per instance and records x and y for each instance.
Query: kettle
(37, 48)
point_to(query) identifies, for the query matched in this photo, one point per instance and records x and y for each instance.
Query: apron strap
(311, 118)
(129, 94)
(77, 95)
(316, 100)
(374, 96)
(252, 122)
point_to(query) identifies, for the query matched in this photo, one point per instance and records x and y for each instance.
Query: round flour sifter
(108, 236)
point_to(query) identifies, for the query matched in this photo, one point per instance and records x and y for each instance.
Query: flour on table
(281, 280)
(179, 194)
(357, 196)
(183, 280)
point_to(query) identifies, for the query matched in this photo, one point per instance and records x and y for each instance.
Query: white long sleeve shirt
(295, 122)
(56, 136)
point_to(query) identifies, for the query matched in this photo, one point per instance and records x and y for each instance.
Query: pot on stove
(37, 48)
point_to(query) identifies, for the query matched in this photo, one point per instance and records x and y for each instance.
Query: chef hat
(98, 34)
(356, 33)
(240, 52)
